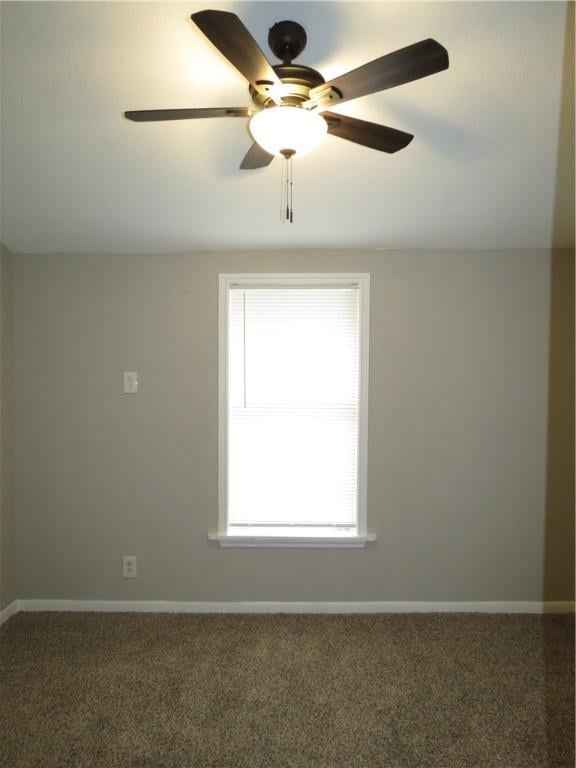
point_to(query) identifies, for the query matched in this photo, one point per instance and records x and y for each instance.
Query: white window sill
(296, 542)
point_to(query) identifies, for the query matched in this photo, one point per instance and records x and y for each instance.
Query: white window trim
(361, 538)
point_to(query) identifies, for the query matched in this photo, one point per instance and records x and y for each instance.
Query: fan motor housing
(299, 80)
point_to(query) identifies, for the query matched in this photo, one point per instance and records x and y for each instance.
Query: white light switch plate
(129, 567)
(130, 382)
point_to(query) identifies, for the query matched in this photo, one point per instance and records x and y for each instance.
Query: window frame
(285, 279)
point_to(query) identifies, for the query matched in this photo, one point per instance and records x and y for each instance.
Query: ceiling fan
(290, 102)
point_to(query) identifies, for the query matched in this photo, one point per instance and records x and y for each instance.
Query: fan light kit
(289, 115)
(288, 129)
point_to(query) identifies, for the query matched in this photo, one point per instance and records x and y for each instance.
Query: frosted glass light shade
(292, 128)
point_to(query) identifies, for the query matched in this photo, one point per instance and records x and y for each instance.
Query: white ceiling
(78, 177)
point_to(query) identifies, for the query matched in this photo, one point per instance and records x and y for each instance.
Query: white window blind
(293, 408)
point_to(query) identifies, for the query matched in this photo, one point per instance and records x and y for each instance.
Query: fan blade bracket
(270, 92)
(323, 97)
(264, 86)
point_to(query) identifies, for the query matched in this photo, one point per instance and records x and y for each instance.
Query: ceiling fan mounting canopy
(296, 87)
(287, 40)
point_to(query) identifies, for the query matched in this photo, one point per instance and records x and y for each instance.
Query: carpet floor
(286, 691)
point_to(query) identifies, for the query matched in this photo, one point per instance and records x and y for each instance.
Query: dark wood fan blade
(234, 41)
(368, 134)
(150, 115)
(411, 63)
(256, 157)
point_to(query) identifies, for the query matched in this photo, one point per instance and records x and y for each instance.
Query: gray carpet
(182, 691)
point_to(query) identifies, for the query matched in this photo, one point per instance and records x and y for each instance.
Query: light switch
(130, 382)
(129, 567)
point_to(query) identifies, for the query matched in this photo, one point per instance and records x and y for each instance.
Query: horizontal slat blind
(293, 372)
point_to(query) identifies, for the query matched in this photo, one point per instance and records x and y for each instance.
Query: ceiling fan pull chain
(282, 188)
(286, 212)
(287, 193)
(291, 186)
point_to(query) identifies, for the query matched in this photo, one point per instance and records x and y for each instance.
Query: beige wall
(457, 445)
(7, 551)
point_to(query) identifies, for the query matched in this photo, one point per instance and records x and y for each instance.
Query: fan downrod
(287, 40)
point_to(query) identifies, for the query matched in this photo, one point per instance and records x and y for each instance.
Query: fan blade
(149, 115)
(368, 134)
(411, 63)
(234, 41)
(256, 157)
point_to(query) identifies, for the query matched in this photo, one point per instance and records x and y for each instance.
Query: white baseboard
(10, 610)
(161, 606)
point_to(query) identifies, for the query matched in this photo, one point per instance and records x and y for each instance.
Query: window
(293, 398)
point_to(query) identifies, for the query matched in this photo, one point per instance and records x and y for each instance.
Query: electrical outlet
(129, 567)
